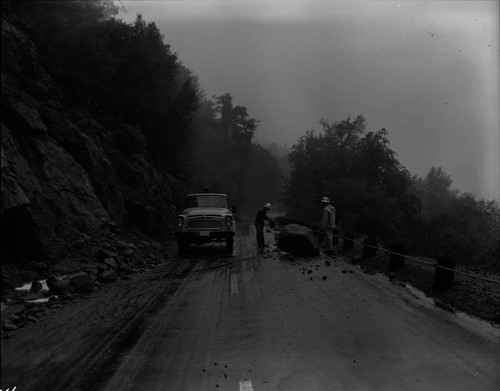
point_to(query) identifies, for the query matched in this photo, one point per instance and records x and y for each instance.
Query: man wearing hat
(328, 224)
(259, 224)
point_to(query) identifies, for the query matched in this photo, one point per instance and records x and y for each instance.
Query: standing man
(259, 224)
(328, 224)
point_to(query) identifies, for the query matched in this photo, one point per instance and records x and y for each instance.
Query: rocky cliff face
(63, 171)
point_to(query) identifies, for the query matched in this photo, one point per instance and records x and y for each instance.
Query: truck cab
(207, 218)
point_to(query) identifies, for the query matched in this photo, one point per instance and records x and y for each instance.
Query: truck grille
(195, 225)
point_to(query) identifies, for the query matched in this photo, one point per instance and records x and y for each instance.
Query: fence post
(443, 278)
(369, 249)
(396, 261)
(348, 242)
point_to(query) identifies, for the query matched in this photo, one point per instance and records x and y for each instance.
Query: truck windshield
(210, 200)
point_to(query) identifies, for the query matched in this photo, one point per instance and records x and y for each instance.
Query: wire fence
(388, 252)
(435, 264)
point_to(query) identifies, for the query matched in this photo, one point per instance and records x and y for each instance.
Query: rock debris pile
(94, 263)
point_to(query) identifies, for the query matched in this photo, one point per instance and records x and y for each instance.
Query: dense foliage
(455, 223)
(123, 71)
(375, 195)
(356, 169)
(222, 156)
(129, 76)
(126, 74)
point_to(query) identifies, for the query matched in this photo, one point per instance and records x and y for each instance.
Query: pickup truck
(208, 217)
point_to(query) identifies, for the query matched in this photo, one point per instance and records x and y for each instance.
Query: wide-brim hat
(268, 206)
(326, 200)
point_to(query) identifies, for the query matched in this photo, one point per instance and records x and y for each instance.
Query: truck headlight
(180, 221)
(229, 220)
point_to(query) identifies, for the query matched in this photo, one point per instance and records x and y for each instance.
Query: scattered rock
(83, 283)
(13, 318)
(125, 269)
(327, 263)
(324, 278)
(121, 244)
(31, 318)
(103, 254)
(92, 270)
(157, 246)
(7, 326)
(36, 286)
(57, 287)
(111, 263)
(107, 276)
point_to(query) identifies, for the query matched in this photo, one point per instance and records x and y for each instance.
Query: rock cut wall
(61, 171)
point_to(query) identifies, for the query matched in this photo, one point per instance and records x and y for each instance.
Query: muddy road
(254, 321)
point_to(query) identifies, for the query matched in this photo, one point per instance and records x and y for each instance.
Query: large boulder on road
(298, 240)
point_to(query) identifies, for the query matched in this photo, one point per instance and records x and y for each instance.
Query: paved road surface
(253, 321)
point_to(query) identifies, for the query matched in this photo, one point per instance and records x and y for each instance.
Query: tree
(236, 126)
(437, 181)
(455, 224)
(222, 156)
(152, 89)
(356, 169)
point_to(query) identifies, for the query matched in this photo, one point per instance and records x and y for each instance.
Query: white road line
(234, 284)
(246, 385)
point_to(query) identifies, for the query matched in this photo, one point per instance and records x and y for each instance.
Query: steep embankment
(64, 169)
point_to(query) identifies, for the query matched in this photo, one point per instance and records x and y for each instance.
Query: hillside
(64, 172)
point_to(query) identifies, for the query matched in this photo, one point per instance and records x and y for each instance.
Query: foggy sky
(428, 72)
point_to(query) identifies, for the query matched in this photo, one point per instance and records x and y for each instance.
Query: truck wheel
(182, 245)
(230, 245)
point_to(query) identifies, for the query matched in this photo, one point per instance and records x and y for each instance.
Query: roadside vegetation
(127, 74)
(376, 196)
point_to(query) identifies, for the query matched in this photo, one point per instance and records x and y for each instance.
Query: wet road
(254, 321)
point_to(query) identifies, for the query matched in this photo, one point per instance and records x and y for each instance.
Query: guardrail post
(443, 278)
(369, 245)
(396, 258)
(348, 242)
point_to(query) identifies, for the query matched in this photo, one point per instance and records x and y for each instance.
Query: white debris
(37, 301)
(27, 286)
